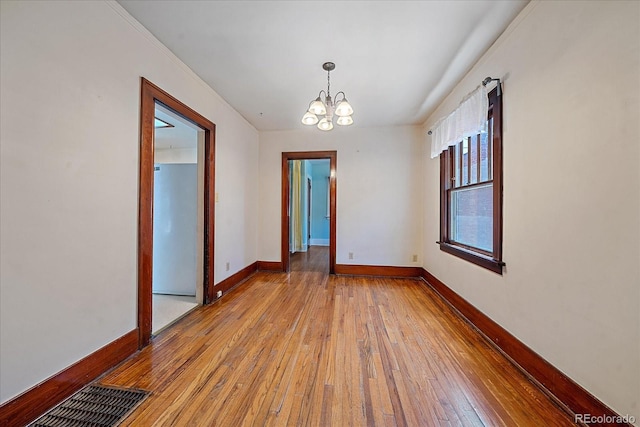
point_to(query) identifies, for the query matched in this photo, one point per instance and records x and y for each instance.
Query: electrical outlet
(350, 255)
(414, 258)
(228, 266)
(218, 294)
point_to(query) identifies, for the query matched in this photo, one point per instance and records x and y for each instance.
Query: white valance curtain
(469, 119)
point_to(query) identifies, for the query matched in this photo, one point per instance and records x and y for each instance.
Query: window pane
(473, 149)
(465, 161)
(484, 157)
(472, 217)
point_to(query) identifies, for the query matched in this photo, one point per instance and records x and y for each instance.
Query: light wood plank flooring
(316, 258)
(311, 349)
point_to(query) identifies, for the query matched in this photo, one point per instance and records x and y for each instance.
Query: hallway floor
(316, 258)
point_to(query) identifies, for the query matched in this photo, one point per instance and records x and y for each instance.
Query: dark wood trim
(377, 270)
(150, 94)
(309, 197)
(145, 212)
(284, 242)
(269, 266)
(496, 114)
(458, 173)
(447, 172)
(36, 401)
(569, 395)
(233, 280)
(479, 155)
(475, 184)
(468, 160)
(473, 256)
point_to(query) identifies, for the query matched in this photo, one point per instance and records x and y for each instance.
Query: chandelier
(321, 111)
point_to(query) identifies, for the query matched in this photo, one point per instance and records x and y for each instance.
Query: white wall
(176, 155)
(571, 288)
(70, 84)
(379, 191)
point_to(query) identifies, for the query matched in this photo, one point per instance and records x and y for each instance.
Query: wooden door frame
(150, 94)
(284, 243)
(309, 206)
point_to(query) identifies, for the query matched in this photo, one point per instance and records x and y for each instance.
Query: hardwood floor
(316, 258)
(310, 349)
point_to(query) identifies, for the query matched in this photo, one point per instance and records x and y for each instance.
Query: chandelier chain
(328, 84)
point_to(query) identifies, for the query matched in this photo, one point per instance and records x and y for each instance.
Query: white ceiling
(395, 60)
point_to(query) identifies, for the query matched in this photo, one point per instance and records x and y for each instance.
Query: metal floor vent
(93, 406)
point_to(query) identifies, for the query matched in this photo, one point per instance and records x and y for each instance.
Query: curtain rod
(485, 82)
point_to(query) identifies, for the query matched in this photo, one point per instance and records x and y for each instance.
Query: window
(471, 194)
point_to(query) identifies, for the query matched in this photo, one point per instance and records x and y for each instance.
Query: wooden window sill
(476, 258)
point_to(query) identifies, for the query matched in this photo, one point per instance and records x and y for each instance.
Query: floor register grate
(93, 406)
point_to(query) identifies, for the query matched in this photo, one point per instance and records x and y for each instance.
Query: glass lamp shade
(344, 109)
(345, 120)
(317, 107)
(325, 124)
(309, 119)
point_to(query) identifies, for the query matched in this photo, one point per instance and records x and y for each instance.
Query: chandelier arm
(335, 98)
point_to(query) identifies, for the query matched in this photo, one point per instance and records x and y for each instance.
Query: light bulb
(325, 124)
(344, 108)
(345, 120)
(317, 107)
(309, 119)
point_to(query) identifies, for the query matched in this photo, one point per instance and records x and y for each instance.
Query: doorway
(290, 198)
(152, 98)
(177, 218)
(309, 215)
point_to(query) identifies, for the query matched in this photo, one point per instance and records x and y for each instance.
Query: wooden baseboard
(270, 266)
(233, 280)
(36, 401)
(377, 270)
(567, 393)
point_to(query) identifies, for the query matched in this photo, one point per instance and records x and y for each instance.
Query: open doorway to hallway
(309, 213)
(177, 218)
(309, 191)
